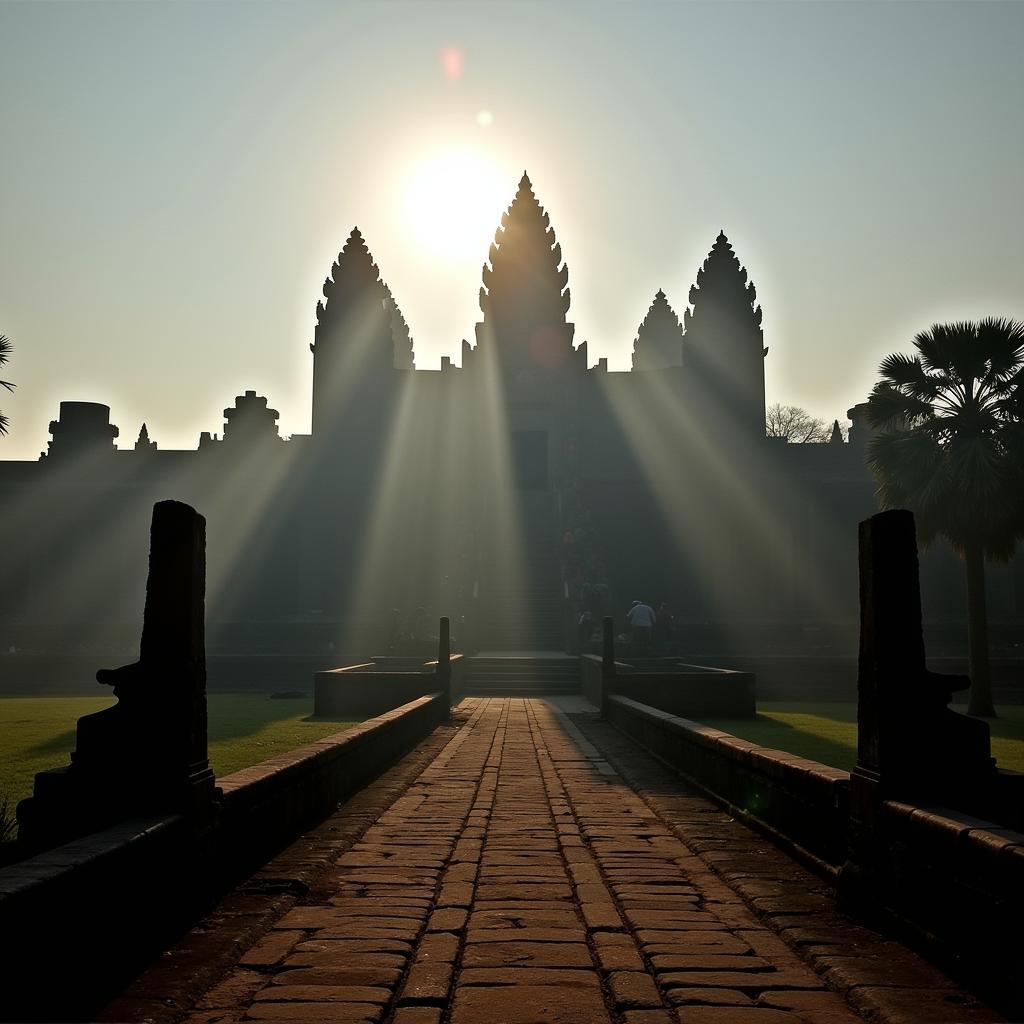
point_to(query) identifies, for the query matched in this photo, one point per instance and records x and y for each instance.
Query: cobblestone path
(519, 880)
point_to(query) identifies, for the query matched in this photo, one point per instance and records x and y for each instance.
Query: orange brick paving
(521, 880)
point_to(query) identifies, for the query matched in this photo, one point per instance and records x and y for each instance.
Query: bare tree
(796, 425)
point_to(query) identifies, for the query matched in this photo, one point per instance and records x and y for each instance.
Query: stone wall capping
(1013, 859)
(996, 835)
(36, 877)
(802, 804)
(945, 825)
(897, 811)
(736, 744)
(375, 688)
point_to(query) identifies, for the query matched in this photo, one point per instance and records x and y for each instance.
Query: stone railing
(666, 683)
(377, 686)
(803, 804)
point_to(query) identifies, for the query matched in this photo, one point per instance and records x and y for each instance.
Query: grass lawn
(39, 732)
(827, 732)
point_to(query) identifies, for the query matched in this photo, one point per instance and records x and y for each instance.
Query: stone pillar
(147, 753)
(910, 745)
(891, 657)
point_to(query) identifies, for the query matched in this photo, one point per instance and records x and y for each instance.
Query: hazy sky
(176, 179)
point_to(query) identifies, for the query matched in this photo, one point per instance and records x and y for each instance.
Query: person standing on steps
(641, 620)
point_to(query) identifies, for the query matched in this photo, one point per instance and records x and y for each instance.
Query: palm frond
(5, 422)
(1008, 388)
(975, 466)
(908, 463)
(1001, 343)
(909, 375)
(942, 349)
(889, 408)
(970, 358)
(935, 348)
(5, 349)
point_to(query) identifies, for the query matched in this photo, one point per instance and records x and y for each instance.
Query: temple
(514, 491)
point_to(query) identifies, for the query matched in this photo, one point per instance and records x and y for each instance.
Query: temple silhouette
(513, 491)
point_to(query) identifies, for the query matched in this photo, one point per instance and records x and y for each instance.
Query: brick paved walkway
(519, 880)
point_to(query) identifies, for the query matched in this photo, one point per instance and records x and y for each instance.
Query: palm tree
(5, 354)
(949, 448)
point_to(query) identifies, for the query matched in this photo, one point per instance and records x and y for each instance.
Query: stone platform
(542, 869)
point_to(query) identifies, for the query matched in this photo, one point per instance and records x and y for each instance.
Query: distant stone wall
(789, 677)
(101, 906)
(373, 688)
(32, 674)
(351, 693)
(780, 677)
(804, 803)
(688, 691)
(684, 690)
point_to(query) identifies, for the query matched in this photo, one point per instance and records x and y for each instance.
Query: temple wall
(398, 504)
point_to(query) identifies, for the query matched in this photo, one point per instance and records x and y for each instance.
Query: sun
(453, 203)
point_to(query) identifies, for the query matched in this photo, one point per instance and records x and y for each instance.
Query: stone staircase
(521, 675)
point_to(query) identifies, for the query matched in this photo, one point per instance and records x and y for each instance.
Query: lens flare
(451, 63)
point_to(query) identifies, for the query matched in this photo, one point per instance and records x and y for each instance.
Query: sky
(177, 178)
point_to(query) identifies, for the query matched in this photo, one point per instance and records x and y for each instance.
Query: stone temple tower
(354, 348)
(525, 297)
(723, 344)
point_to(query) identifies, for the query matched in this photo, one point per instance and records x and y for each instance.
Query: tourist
(641, 620)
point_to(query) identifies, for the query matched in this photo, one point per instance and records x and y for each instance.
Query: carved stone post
(148, 752)
(910, 745)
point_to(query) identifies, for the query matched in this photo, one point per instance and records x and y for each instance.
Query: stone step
(572, 672)
(533, 664)
(516, 691)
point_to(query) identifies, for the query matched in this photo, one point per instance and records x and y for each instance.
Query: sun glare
(454, 201)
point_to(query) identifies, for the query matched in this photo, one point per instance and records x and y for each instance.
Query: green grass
(827, 732)
(39, 732)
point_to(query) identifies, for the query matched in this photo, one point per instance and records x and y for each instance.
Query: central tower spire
(525, 298)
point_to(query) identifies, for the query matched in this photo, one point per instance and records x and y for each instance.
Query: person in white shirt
(641, 620)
